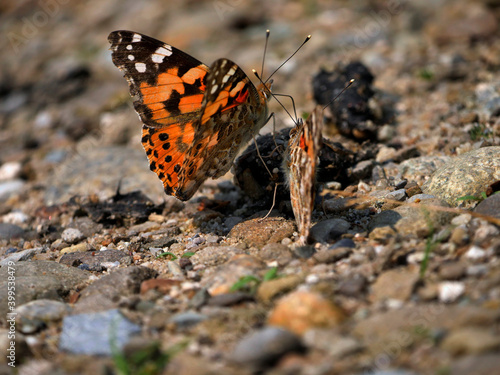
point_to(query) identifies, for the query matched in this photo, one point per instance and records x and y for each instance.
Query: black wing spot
(163, 136)
(172, 103)
(152, 166)
(166, 145)
(177, 168)
(168, 159)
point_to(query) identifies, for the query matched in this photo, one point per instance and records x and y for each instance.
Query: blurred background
(67, 123)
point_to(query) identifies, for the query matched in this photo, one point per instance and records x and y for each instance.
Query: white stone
(449, 291)
(475, 253)
(10, 170)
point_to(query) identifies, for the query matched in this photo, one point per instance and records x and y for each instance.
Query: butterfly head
(265, 90)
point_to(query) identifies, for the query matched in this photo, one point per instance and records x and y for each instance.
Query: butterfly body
(195, 118)
(300, 164)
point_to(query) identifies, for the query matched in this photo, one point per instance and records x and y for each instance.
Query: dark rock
(352, 115)
(264, 347)
(327, 231)
(10, 231)
(304, 252)
(344, 242)
(187, 319)
(490, 206)
(121, 209)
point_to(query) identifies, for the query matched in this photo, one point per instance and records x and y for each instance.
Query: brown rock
(300, 311)
(258, 232)
(471, 340)
(272, 288)
(397, 284)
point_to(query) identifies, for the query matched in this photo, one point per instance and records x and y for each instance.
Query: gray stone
(39, 279)
(327, 231)
(187, 319)
(398, 195)
(416, 168)
(485, 364)
(43, 309)
(21, 256)
(99, 170)
(72, 235)
(104, 294)
(7, 188)
(93, 259)
(96, 333)
(10, 231)
(332, 343)
(467, 174)
(213, 255)
(262, 348)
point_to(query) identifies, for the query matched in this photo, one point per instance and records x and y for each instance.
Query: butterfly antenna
(265, 50)
(294, 119)
(340, 93)
(292, 55)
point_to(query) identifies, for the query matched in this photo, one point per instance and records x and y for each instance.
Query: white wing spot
(160, 54)
(136, 38)
(214, 89)
(223, 63)
(140, 67)
(131, 57)
(226, 78)
(231, 71)
(129, 47)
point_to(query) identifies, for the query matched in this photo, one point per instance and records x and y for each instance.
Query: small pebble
(72, 235)
(450, 291)
(475, 253)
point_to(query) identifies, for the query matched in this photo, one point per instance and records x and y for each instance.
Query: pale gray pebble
(21, 256)
(398, 195)
(72, 235)
(10, 187)
(94, 333)
(187, 319)
(420, 197)
(175, 269)
(264, 347)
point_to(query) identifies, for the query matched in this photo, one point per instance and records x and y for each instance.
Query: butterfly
(300, 164)
(195, 118)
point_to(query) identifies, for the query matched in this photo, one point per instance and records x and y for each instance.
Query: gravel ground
(106, 274)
